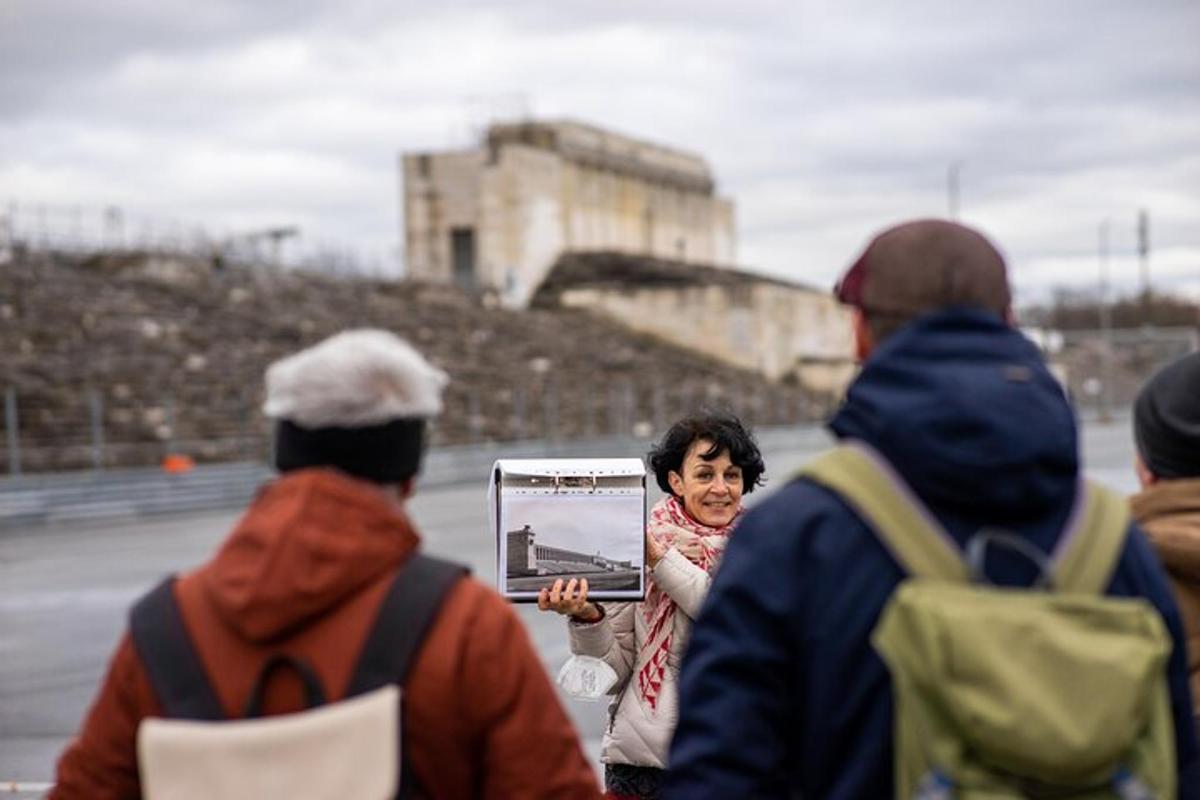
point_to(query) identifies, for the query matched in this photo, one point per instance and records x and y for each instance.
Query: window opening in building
(462, 249)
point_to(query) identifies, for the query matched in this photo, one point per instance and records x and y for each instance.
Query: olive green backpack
(1055, 691)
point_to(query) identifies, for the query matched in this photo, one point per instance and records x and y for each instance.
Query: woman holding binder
(704, 463)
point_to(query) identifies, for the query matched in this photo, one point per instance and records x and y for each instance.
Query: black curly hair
(724, 430)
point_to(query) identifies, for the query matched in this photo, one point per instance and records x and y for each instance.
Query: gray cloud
(824, 121)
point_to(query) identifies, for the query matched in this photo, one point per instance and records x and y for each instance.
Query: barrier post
(12, 424)
(96, 407)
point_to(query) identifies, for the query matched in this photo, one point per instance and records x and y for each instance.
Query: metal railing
(61, 498)
(85, 229)
(106, 427)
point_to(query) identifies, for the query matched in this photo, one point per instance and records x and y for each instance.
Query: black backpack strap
(407, 611)
(170, 659)
(404, 617)
(314, 695)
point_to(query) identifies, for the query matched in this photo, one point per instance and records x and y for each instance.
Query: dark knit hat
(926, 265)
(387, 453)
(358, 402)
(1166, 420)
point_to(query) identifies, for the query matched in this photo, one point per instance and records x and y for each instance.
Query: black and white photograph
(549, 536)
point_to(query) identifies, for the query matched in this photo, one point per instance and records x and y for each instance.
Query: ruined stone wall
(521, 220)
(607, 150)
(441, 192)
(769, 327)
(625, 213)
(171, 361)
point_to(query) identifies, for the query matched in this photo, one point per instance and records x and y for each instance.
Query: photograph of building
(547, 537)
(529, 564)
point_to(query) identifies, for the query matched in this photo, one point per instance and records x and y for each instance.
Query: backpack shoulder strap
(1087, 554)
(869, 485)
(169, 657)
(404, 617)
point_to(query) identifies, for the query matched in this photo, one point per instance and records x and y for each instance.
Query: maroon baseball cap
(925, 265)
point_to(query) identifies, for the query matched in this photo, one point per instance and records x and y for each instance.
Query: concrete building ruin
(783, 330)
(498, 216)
(566, 215)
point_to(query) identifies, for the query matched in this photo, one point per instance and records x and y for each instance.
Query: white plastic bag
(586, 678)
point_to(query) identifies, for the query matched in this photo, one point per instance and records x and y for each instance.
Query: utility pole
(952, 191)
(1106, 356)
(1143, 229)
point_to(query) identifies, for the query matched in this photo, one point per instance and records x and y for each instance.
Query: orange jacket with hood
(304, 572)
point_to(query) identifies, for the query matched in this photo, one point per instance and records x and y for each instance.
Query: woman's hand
(654, 550)
(690, 549)
(567, 601)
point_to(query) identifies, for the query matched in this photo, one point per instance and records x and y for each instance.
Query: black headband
(386, 453)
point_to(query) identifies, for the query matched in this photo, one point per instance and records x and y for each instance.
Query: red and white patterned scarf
(670, 525)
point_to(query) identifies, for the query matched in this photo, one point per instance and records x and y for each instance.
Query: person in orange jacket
(305, 571)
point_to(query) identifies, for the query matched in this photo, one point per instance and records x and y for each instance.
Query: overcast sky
(824, 121)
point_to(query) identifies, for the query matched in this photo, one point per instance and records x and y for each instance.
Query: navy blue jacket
(781, 692)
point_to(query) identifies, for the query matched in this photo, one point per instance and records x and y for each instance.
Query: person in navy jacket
(781, 693)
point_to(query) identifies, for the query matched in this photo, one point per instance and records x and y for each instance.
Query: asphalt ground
(65, 591)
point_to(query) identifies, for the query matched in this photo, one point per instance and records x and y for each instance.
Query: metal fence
(98, 428)
(51, 429)
(86, 229)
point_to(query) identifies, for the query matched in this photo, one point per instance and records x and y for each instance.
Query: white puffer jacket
(638, 734)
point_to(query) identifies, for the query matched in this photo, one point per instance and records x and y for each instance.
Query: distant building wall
(534, 191)
(561, 557)
(440, 194)
(521, 226)
(521, 558)
(771, 327)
